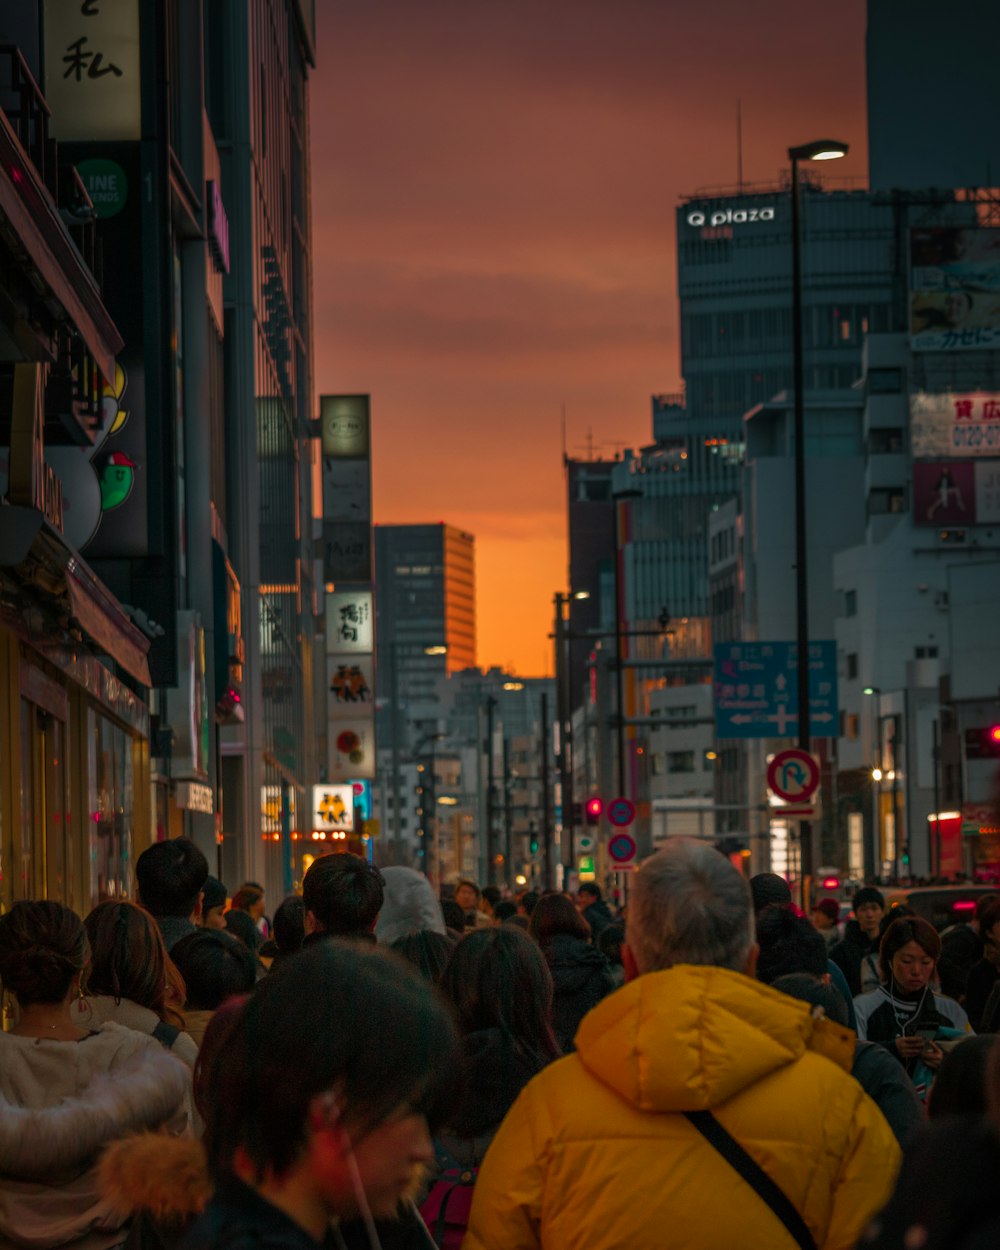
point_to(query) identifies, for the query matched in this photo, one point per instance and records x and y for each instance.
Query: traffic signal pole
(546, 795)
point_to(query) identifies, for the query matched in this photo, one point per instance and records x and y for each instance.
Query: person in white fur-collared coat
(67, 1091)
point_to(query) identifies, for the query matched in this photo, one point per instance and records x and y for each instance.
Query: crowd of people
(377, 1066)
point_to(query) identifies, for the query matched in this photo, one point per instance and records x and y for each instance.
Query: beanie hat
(829, 907)
(868, 894)
(213, 894)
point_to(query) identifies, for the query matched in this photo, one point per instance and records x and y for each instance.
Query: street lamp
(394, 646)
(430, 835)
(617, 497)
(564, 713)
(819, 150)
(876, 839)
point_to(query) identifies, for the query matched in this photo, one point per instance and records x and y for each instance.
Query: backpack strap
(166, 1034)
(754, 1175)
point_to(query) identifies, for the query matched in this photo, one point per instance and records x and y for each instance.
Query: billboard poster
(956, 492)
(951, 424)
(954, 288)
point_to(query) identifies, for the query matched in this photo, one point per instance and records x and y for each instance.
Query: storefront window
(23, 837)
(112, 808)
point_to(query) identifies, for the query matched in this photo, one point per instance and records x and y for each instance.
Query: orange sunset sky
(493, 192)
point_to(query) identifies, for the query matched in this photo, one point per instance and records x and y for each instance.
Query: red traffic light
(595, 806)
(995, 733)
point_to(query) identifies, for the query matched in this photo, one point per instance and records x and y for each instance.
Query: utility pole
(508, 818)
(546, 796)
(491, 704)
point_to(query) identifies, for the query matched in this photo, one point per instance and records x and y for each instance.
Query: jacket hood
(689, 1038)
(134, 1084)
(572, 962)
(166, 1176)
(410, 906)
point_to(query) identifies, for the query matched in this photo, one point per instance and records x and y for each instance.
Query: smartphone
(927, 1034)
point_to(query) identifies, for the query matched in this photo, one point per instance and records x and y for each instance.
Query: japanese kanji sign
(757, 684)
(948, 424)
(92, 69)
(350, 622)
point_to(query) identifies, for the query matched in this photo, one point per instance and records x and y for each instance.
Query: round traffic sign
(793, 775)
(621, 848)
(621, 812)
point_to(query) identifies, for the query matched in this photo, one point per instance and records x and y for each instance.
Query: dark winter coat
(581, 977)
(165, 1182)
(982, 978)
(889, 1087)
(961, 949)
(494, 1076)
(598, 916)
(947, 1188)
(851, 954)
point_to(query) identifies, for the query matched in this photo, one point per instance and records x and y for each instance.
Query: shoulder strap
(754, 1175)
(166, 1034)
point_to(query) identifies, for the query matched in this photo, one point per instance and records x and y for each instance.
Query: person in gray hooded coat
(409, 906)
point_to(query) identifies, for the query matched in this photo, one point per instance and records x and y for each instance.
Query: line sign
(756, 690)
(621, 812)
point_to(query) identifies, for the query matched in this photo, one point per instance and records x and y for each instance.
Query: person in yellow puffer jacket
(597, 1151)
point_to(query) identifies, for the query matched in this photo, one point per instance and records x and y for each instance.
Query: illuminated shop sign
(729, 216)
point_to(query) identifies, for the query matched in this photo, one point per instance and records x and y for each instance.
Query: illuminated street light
(818, 150)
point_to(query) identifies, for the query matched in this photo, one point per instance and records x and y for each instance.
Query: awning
(60, 580)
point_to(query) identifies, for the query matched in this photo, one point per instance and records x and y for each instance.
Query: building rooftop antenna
(739, 145)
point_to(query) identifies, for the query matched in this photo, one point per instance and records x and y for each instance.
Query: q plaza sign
(729, 216)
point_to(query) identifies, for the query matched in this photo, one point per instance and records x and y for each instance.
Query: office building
(425, 629)
(933, 94)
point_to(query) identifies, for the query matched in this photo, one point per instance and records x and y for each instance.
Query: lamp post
(819, 150)
(428, 805)
(394, 649)
(564, 713)
(618, 497)
(876, 838)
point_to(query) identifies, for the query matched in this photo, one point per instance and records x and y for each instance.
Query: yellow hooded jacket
(594, 1155)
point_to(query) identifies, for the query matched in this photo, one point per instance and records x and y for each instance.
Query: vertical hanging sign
(92, 69)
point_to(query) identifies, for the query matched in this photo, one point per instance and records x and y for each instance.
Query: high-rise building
(425, 628)
(933, 94)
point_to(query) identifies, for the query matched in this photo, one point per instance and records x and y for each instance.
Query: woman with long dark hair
(581, 975)
(501, 989)
(67, 1091)
(132, 981)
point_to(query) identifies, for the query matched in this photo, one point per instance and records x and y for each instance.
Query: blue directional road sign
(757, 690)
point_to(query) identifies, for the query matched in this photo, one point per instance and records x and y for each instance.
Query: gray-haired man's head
(689, 905)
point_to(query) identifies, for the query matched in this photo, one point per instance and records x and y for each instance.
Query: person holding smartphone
(905, 1014)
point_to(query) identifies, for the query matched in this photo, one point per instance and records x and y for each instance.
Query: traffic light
(983, 743)
(595, 807)
(532, 840)
(576, 814)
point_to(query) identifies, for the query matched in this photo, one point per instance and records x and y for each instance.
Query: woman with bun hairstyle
(131, 979)
(66, 1090)
(904, 1014)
